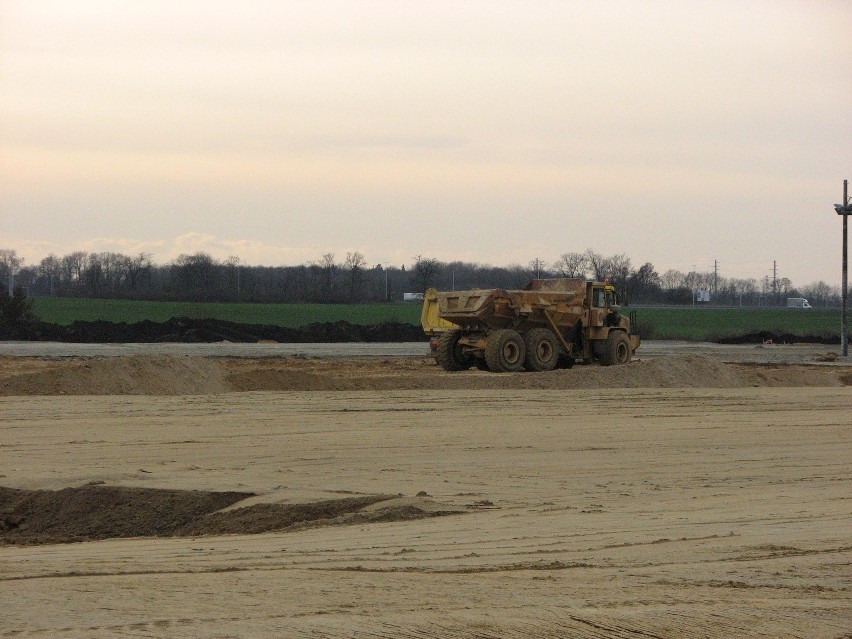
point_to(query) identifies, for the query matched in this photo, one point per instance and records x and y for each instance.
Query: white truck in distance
(797, 302)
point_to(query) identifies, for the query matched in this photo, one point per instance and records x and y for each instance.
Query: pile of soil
(101, 512)
(131, 375)
(92, 512)
(194, 375)
(187, 330)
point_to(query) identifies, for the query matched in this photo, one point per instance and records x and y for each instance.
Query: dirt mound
(101, 512)
(683, 371)
(260, 518)
(692, 371)
(132, 375)
(194, 375)
(29, 517)
(768, 337)
(188, 330)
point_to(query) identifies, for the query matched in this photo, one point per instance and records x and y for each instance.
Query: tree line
(201, 278)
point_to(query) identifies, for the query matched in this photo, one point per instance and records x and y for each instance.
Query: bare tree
(233, 264)
(50, 268)
(744, 289)
(143, 264)
(354, 264)
(597, 264)
(818, 293)
(328, 268)
(672, 279)
(73, 266)
(617, 267)
(93, 274)
(200, 277)
(645, 282)
(572, 265)
(195, 275)
(692, 280)
(113, 265)
(10, 263)
(425, 271)
(137, 267)
(538, 266)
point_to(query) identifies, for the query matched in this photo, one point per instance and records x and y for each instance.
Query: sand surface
(686, 495)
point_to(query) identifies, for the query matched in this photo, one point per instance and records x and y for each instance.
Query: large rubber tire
(616, 349)
(542, 350)
(505, 351)
(449, 353)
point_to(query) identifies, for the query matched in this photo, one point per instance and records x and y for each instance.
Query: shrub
(16, 313)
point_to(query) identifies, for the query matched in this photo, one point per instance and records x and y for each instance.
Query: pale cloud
(249, 252)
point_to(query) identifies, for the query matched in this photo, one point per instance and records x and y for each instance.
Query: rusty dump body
(549, 322)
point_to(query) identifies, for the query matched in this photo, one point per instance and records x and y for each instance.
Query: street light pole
(384, 267)
(845, 209)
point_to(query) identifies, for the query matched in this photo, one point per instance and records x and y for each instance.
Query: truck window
(599, 298)
(611, 298)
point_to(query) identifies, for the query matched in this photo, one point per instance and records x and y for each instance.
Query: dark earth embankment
(29, 517)
(765, 337)
(187, 330)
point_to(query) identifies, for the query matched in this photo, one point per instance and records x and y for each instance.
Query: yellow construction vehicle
(548, 323)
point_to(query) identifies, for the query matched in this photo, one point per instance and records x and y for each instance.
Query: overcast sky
(496, 132)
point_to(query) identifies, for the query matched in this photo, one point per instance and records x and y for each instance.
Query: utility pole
(775, 280)
(537, 265)
(384, 267)
(715, 277)
(845, 209)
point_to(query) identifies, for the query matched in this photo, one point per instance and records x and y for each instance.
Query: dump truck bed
(431, 322)
(562, 299)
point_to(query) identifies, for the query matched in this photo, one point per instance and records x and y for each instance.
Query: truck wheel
(449, 353)
(616, 349)
(542, 350)
(505, 351)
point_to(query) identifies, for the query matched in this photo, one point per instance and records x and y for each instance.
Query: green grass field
(657, 322)
(67, 310)
(708, 323)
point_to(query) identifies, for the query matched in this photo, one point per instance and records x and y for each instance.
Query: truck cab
(603, 301)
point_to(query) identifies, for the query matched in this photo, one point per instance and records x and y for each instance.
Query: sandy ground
(679, 496)
(787, 353)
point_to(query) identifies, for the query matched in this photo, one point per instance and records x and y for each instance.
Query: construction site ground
(702, 491)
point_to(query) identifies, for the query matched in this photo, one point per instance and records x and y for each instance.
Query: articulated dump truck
(549, 323)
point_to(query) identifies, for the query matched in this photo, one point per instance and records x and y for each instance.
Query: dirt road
(713, 501)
